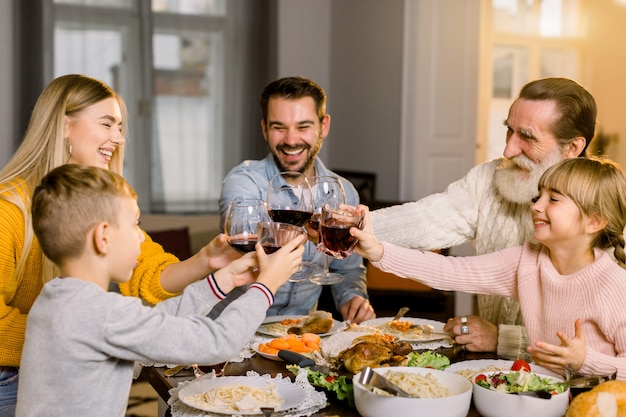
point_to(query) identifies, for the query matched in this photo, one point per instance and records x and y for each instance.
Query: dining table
(163, 384)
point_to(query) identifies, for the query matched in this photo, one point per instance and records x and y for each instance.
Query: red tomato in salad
(480, 377)
(520, 365)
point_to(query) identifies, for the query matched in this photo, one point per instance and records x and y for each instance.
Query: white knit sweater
(470, 209)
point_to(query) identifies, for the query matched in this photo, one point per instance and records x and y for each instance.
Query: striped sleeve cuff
(215, 288)
(264, 290)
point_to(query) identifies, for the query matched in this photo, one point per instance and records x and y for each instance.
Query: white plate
(484, 365)
(292, 393)
(438, 327)
(264, 330)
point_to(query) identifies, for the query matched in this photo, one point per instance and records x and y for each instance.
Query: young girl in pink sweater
(571, 290)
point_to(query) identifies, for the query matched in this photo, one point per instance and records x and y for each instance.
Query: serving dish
(492, 403)
(370, 404)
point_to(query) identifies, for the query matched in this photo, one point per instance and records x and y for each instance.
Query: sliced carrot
(310, 338)
(266, 349)
(278, 344)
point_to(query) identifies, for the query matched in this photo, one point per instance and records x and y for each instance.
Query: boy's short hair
(69, 201)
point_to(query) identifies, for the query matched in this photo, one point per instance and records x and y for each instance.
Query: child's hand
(275, 269)
(570, 354)
(368, 246)
(238, 272)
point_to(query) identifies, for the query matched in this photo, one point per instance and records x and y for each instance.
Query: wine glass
(326, 189)
(290, 200)
(241, 223)
(273, 235)
(335, 224)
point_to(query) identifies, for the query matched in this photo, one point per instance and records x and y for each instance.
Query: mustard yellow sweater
(17, 296)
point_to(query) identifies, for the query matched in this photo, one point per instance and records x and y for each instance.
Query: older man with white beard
(551, 119)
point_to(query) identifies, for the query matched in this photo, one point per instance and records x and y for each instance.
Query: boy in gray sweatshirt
(82, 341)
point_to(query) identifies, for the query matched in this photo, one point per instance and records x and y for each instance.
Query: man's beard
(309, 161)
(521, 186)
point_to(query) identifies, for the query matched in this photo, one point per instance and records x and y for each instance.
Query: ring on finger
(464, 329)
(463, 320)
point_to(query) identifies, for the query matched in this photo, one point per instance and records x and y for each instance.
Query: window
(529, 39)
(176, 64)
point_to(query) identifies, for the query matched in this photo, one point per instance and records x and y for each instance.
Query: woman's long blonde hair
(598, 187)
(44, 147)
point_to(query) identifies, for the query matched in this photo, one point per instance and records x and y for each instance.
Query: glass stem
(326, 269)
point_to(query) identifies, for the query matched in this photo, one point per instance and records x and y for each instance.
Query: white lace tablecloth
(314, 401)
(247, 352)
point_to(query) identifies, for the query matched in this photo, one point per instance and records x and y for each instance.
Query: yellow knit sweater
(17, 297)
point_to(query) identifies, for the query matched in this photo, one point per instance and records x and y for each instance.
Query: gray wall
(366, 79)
(6, 82)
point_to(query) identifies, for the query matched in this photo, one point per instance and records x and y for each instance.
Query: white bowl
(490, 403)
(369, 404)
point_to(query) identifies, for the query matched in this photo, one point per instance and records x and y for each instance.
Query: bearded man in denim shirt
(294, 125)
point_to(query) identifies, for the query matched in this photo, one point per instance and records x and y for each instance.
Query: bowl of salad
(520, 393)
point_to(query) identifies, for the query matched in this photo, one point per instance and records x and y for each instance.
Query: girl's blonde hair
(598, 187)
(44, 147)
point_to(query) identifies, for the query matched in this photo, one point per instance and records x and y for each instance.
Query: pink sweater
(549, 301)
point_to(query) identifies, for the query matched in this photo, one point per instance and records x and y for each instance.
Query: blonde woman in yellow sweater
(76, 119)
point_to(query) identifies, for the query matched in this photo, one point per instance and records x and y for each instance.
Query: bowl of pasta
(433, 393)
(510, 393)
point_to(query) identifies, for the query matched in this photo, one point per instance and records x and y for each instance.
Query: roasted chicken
(374, 350)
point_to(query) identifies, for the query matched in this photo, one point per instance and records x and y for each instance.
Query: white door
(439, 104)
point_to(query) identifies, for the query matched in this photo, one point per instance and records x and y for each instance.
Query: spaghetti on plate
(238, 397)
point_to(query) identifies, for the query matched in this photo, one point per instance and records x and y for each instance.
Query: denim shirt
(250, 180)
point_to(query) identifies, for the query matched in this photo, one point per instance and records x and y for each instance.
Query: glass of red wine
(290, 200)
(273, 235)
(241, 223)
(326, 189)
(335, 224)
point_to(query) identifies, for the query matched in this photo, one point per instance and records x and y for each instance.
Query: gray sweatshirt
(82, 342)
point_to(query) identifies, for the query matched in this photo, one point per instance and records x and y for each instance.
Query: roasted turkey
(374, 350)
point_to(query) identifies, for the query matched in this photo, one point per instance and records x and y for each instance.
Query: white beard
(521, 186)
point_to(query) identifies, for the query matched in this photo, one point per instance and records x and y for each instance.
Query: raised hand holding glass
(241, 223)
(335, 225)
(290, 200)
(326, 189)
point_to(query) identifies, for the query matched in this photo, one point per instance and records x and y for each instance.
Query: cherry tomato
(480, 377)
(520, 365)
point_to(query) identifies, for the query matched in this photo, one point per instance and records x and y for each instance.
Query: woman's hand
(218, 253)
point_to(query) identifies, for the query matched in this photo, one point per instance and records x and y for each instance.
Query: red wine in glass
(314, 221)
(270, 248)
(242, 246)
(338, 240)
(295, 217)
(335, 225)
